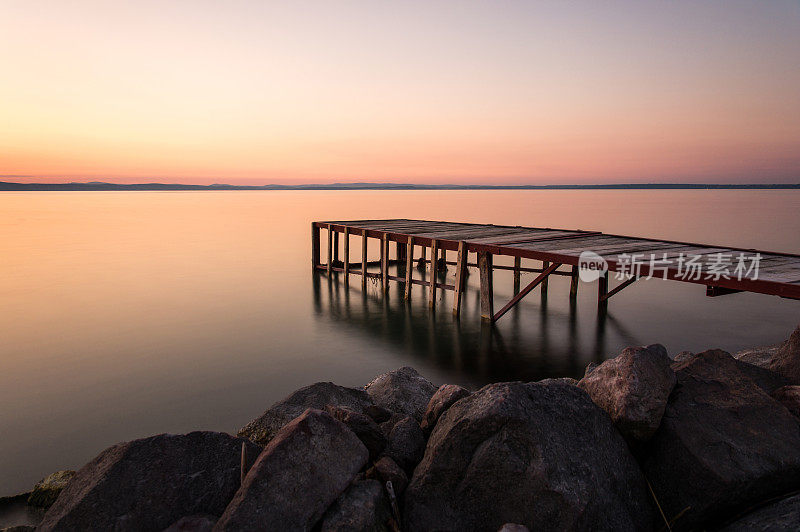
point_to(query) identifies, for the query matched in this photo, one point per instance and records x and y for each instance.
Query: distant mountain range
(97, 185)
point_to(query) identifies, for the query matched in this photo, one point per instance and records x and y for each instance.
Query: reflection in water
(517, 348)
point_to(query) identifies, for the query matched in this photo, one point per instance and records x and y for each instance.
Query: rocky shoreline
(643, 441)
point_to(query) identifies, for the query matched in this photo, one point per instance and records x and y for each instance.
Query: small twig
(658, 505)
(243, 465)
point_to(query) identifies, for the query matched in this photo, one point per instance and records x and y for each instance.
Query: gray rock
(683, 356)
(402, 390)
(303, 470)
(193, 523)
(539, 454)
(789, 396)
(362, 426)
(786, 359)
(46, 491)
(318, 396)
(363, 507)
(387, 470)
(783, 515)
(723, 444)
(758, 356)
(149, 484)
(764, 378)
(445, 396)
(406, 443)
(513, 527)
(633, 388)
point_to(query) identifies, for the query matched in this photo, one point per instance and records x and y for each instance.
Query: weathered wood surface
(779, 273)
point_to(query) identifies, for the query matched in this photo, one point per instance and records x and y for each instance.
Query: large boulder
(445, 396)
(362, 426)
(406, 443)
(193, 523)
(149, 484)
(783, 515)
(402, 390)
(633, 388)
(262, 429)
(386, 470)
(789, 397)
(363, 507)
(46, 491)
(302, 471)
(723, 444)
(786, 359)
(541, 455)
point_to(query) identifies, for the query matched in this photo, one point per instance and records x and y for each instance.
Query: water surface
(127, 314)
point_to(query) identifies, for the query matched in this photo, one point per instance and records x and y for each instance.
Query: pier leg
(602, 290)
(364, 259)
(487, 291)
(314, 246)
(336, 246)
(385, 263)
(573, 283)
(461, 275)
(545, 265)
(330, 249)
(346, 256)
(401, 254)
(432, 290)
(517, 265)
(409, 256)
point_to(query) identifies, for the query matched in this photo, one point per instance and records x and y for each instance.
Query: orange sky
(464, 92)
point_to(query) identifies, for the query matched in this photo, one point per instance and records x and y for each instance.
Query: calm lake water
(127, 314)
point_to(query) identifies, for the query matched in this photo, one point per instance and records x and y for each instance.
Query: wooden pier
(554, 251)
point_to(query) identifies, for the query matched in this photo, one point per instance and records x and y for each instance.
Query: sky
(500, 92)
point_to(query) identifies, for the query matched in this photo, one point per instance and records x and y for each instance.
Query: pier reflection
(546, 337)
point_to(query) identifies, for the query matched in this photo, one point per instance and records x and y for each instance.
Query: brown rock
(786, 360)
(385, 470)
(363, 507)
(362, 426)
(789, 396)
(193, 523)
(445, 396)
(402, 390)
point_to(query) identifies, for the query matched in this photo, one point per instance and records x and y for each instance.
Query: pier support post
(364, 259)
(432, 290)
(336, 246)
(346, 252)
(461, 275)
(517, 265)
(385, 263)
(573, 283)
(487, 291)
(602, 290)
(545, 265)
(314, 246)
(409, 256)
(401, 254)
(330, 249)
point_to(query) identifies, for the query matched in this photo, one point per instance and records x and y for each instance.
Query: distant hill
(97, 185)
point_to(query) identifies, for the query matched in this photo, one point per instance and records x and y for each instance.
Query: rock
(193, 523)
(766, 379)
(402, 390)
(590, 367)
(783, 515)
(539, 454)
(387, 470)
(563, 380)
(683, 356)
(633, 388)
(723, 444)
(513, 527)
(377, 413)
(786, 359)
(759, 356)
(406, 443)
(46, 491)
(445, 396)
(149, 484)
(303, 470)
(362, 426)
(318, 396)
(18, 528)
(789, 396)
(362, 507)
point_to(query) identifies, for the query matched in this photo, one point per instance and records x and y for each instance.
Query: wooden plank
(517, 266)
(487, 290)
(346, 258)
(602, 290)
(335, 247)
(432, 290)
(527, 236)
(461, 276)
(545, 267)
(573, 283)
(541, 278)
(566, 243)
(409, 266)
(330, 251)
(619, 287)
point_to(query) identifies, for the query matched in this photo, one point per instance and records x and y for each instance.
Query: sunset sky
(256, 92)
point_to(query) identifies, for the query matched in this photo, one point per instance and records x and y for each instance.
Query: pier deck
(723, 270)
